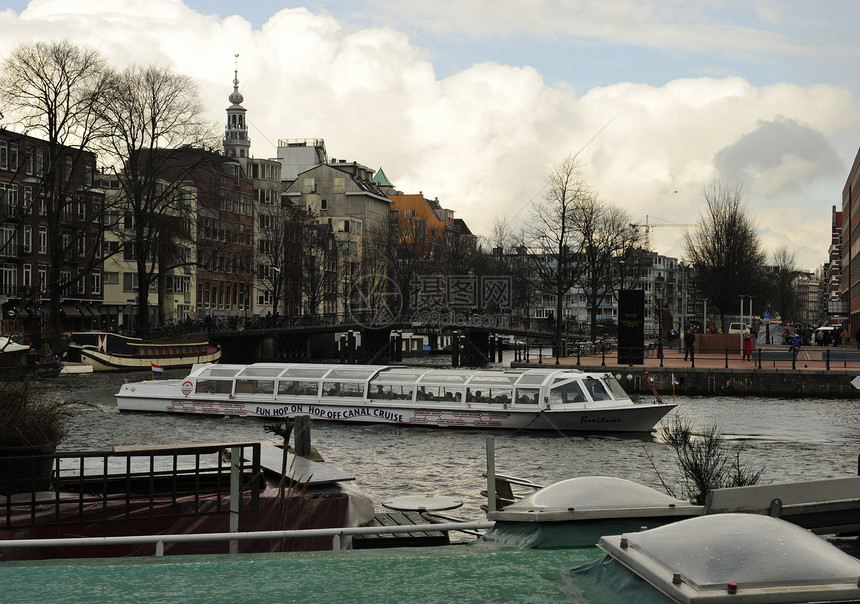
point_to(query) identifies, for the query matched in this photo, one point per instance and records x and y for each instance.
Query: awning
(70, 310)
(91, 310)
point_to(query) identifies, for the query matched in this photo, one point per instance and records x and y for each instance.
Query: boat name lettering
(599, 420)
(280, 410)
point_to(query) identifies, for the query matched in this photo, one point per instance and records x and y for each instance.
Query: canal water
(795, 439)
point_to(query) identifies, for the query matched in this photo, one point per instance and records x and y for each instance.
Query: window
(129, 282)
(43, 240)
(323, 204)
(69, 164)
(28, 199)
(309, 186)
(340, 184)
(43, 276)
(88, 176)
(111, 219)
(82, 209)
(82, 281)
(28, 161)
(9, 280)
(4, 155)
(27, 274)
(28, 239)
(8, 240)
(82, 245)
(97, 281)
(111, 278)
(40, 162)
(9, 199)
(13, 156)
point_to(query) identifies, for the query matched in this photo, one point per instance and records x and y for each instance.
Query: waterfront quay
(772, 371)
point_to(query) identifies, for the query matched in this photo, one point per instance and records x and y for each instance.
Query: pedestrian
(748, 344)
(796, 342)
(857, 337)
(845, 337)
(689, 344)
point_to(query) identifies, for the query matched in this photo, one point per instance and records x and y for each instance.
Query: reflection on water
(792, 439)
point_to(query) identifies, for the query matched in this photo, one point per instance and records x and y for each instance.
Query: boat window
(305, 372)
(488, 395)
(440, 378)
(596, 389)
(391, 391)
(532, 378)
(569, 392)
(497, 380)
(254, 371)
(528, 396)
(298, 387)
(346, 389)
(615, 388)
(396, 376)
(350, 374)
(220, 371)
(255, 386)
(445, 394)
(214, 386)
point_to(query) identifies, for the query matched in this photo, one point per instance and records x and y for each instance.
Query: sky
(473, 102)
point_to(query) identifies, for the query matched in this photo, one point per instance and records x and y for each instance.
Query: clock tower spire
(236, 141)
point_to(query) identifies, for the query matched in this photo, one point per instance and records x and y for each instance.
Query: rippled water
(792, 439)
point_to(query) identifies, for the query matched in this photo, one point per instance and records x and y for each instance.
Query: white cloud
(483, 139)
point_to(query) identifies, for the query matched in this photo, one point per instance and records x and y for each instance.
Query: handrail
(160, 540)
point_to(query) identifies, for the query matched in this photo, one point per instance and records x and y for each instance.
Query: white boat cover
(721, 558)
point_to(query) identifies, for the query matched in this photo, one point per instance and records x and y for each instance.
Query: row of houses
(231, 256)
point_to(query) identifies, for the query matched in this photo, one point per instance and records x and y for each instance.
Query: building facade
(39, 226)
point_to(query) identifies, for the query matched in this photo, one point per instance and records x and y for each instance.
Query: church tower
(236, 141)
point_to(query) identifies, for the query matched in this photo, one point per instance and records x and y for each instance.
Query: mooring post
(491, 474)
(303, 435)
(727, 358)
(235, 494)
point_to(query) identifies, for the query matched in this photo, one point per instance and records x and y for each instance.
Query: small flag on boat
(157, 369)
(674, 381)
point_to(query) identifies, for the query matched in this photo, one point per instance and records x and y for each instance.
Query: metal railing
(169, 482)
(159, 540)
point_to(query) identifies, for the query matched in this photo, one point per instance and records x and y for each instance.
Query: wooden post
(303, 435)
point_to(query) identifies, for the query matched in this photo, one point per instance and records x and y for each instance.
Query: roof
(380, 179)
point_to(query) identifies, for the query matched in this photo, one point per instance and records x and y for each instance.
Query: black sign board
(631, 327)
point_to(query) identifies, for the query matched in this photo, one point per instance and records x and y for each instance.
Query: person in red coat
(748, 345)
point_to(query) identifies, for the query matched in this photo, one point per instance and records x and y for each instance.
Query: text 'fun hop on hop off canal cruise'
(532, 399)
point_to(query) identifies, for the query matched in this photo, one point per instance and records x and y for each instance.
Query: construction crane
(648, 226)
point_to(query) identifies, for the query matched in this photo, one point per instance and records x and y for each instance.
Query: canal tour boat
(532, 399)
(106, 351)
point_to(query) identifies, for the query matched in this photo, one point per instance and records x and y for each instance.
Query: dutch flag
(157, 369)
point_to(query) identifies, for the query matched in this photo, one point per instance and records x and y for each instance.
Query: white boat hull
(166, 396)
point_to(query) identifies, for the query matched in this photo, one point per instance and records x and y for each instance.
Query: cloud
(778, 156)
(483, 138)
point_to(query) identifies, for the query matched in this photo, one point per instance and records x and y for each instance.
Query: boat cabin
(428, 386)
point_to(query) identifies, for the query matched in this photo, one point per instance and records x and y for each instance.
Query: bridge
(358, 339)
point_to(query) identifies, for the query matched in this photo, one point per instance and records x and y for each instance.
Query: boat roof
(388, 374)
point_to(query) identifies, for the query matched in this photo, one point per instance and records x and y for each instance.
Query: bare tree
(54, 90)
(784, 296)
(292, 257)
(152, 114)
(725, 248)
(605, 236)
(552, 237)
